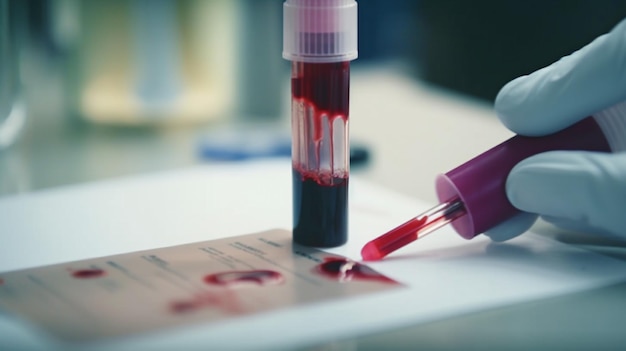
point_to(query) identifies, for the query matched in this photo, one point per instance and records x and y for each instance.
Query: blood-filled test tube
(320, 38)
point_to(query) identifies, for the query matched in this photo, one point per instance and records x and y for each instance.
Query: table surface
(413, 132)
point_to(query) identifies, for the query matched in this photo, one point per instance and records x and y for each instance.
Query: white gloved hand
(577, 190)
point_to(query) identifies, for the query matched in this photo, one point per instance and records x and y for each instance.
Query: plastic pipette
(473, 195)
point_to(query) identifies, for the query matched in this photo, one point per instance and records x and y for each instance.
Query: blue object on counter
(244, 145)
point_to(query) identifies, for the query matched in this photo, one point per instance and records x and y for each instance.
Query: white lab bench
(413, 131)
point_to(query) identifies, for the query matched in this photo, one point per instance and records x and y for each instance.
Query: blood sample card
(204, 282)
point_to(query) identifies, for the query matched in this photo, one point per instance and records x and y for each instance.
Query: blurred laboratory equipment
(12, 110)
(138, 62)
(262, 75)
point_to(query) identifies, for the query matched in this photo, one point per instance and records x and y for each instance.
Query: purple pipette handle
(480, 182)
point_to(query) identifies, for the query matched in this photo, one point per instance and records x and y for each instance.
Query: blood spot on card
(225, 301)
(89, 273)
(256, 277)
(346, 270)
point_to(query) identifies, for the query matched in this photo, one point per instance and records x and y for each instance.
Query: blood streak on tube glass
(320, 152)
(320, 39)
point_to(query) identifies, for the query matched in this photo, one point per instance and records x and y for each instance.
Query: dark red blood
(346, 270)
(325, 85)
(88, 273)
(260, 277)
(320, 212)
(320, 197)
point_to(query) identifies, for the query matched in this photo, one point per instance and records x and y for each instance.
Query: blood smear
(346, 270)
(88, 273)
(258, 277)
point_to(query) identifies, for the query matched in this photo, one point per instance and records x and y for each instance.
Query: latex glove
(581, 191)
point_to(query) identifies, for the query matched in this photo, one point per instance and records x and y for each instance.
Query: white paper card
(445, 274)
(206, 282)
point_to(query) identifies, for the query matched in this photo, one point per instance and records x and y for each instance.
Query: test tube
(320, 38)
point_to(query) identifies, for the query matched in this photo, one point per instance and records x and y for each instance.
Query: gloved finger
(575, 226)
(512, 227)
(584, 187)
(579, 85)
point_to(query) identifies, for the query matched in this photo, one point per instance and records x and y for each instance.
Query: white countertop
(413, 131)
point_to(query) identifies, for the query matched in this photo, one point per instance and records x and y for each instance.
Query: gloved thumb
(575, 189)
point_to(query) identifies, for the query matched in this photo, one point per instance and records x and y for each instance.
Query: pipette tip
(370, 252)
(413, 229)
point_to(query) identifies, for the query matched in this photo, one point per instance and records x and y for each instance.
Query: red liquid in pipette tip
(410, 231)
(393, 240)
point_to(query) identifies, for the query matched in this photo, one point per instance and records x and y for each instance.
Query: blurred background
(92, 89)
